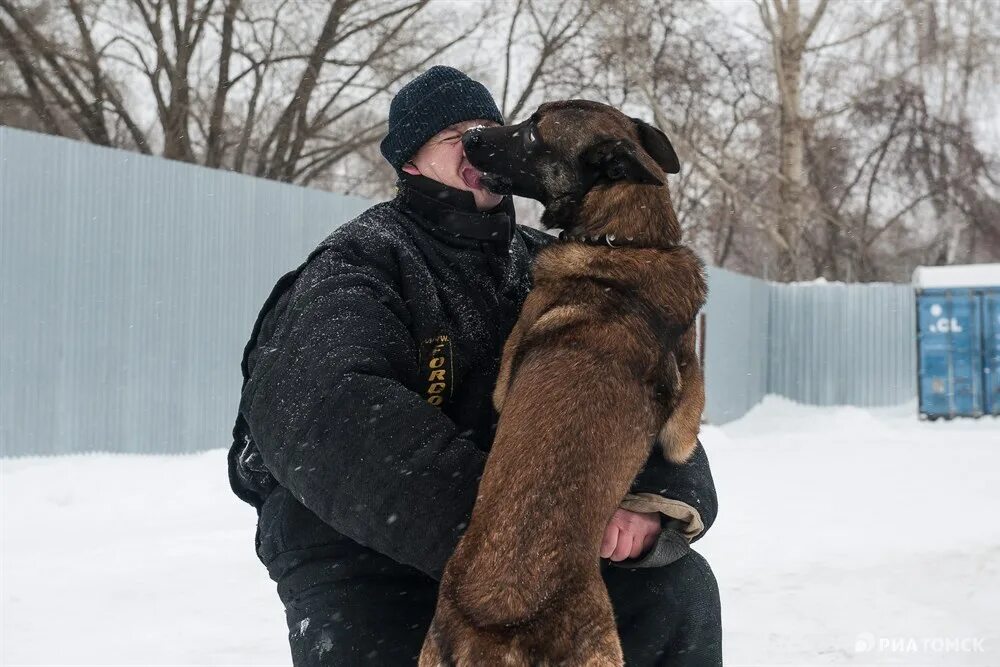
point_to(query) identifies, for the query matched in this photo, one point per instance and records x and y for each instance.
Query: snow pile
(856, 537)
(845, 537)
(118, 559)
(957, 275)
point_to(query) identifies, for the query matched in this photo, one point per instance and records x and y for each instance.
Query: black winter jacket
(366, 413)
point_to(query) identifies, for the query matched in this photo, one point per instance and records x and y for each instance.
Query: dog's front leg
(679, 435)
(506, 365)
(535, 304)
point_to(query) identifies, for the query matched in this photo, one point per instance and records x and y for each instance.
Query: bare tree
(280, 89)
(790, 33)
(818, 139)
(542, 34)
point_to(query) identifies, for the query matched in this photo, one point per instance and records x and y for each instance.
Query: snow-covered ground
(845, 537)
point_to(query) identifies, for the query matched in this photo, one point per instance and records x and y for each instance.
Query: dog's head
(566, 148)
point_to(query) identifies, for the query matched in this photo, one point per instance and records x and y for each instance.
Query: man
(366, 416)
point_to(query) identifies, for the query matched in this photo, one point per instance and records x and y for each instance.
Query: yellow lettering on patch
(435, 357)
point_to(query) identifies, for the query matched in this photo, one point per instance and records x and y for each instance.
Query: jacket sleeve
(684, 493)
(684, 496)
(329, 406)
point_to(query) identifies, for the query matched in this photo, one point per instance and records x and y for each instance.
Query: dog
(601, 361)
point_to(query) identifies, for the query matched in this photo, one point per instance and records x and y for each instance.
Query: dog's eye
(530, 137)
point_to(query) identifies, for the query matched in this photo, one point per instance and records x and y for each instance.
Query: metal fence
(816, 343)
(128, 288)
(837, 344)
(735, 328)
(129, 285)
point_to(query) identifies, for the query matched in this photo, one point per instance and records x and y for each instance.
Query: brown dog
(601, 361)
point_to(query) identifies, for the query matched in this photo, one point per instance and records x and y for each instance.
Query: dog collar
(609, 240)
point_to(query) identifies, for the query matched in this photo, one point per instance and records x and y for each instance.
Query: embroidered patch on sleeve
(437, 367)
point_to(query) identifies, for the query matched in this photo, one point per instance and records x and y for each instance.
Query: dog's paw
(679, 438)
(430, 654)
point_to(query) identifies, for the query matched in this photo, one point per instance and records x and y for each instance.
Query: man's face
(443, 159)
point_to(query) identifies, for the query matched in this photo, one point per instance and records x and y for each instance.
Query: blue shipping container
(991, 351)
(950, 352)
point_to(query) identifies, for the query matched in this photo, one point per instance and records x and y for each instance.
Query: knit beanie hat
(439, 97)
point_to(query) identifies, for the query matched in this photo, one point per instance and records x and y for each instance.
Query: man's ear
(618, 160)
(658, 146)
(411, 169)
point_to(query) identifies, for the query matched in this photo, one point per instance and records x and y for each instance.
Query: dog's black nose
(472, 137)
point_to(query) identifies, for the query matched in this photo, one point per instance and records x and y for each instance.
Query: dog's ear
(658, 146)
(619, 160)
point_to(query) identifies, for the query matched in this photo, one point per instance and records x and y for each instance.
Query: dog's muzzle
(499, 153)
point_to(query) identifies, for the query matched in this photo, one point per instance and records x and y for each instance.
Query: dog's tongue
(472, 177)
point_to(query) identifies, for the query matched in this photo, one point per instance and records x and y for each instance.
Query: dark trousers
(666, 616)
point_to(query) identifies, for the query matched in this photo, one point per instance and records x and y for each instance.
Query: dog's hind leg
(679, 435)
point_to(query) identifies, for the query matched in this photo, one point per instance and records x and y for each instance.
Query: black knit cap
(439, 97)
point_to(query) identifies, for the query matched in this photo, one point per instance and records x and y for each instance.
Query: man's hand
(629, 534)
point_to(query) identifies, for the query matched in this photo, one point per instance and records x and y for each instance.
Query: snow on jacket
(366, 415)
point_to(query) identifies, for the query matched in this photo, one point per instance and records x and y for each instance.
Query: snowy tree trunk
(788, 44)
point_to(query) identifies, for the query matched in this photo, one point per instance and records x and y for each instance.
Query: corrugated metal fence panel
(128, 287)
(842, 344)
(736, 330)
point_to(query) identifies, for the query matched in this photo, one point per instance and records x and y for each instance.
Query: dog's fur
(601, 362)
